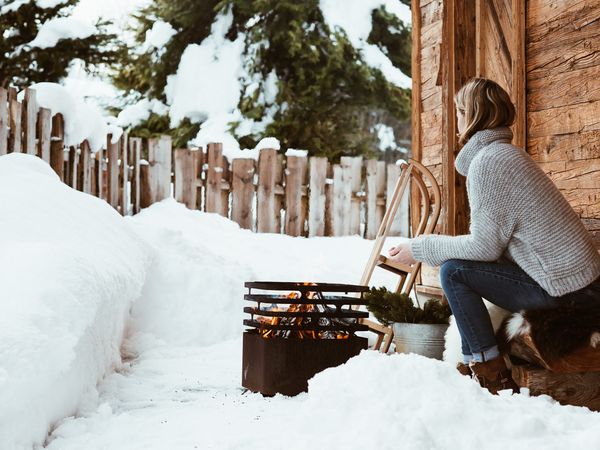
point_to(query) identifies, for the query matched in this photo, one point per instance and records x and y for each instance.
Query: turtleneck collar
(476, 143)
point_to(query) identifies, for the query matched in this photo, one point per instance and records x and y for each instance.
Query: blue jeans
(504, 284)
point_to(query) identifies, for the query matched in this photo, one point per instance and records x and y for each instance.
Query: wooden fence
(293, 194)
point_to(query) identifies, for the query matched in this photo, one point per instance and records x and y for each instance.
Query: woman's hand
(402, 253)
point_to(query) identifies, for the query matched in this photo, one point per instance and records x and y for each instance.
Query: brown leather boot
(464, 369)
(494, 375)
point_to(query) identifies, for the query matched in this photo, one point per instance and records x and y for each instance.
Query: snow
(83, 120)
(296, 152)
(357, 24)
(61, 28)
(180, 387)
(385, 135)
(133, 115)
(159, 35)
(70, 267)
(16, 4)
(216, 93)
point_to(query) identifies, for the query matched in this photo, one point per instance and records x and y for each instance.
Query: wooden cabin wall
(563, 100)
(427, 105)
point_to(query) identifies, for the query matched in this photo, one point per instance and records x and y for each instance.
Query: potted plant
(416, 330)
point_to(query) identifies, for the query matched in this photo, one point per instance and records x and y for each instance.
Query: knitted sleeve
(491, 226)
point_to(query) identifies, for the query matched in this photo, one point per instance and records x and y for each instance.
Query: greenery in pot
(389, 307)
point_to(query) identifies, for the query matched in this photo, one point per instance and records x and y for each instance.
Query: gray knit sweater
(516, 213)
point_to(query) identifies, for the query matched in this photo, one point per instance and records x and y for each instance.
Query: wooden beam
(415, 200)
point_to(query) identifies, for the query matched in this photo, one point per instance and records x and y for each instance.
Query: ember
(294, 336)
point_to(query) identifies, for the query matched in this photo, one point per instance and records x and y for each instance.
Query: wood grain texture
(214, 175)
(135, 147)
(316, 202)
(4, 121)
(44, 133)
(578, 389)
(243, 192)
(186, 174)
(295, 176)
(266, 214)
(28, 121)
(57, 146)
(14, 136)
(112, 153)
(342, 200)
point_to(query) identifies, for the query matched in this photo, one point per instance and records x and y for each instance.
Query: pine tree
(31, 65)
(327, 96)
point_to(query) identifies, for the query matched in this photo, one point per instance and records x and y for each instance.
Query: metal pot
(421, 338)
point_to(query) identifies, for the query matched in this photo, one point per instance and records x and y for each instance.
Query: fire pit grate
(293, 336)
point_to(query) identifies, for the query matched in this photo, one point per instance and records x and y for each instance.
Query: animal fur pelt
(555, 332)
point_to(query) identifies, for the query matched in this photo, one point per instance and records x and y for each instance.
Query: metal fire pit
(283, 349)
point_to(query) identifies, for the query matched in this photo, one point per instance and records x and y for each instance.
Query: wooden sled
(429, 215)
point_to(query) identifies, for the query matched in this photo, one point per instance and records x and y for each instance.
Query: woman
(527, 248)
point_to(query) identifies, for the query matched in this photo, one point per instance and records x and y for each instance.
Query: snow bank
(82, 120)
(61, 28)
(195, 287)
(356, 22)
(133, 115)
(409, 401)
(69, 270)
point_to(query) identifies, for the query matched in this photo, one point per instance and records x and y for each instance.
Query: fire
(297, 320)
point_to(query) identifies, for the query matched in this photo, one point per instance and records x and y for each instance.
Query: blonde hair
(485, 105)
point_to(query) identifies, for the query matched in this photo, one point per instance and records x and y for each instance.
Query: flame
(297, 321)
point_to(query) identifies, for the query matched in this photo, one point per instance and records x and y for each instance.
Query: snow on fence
(290, 194)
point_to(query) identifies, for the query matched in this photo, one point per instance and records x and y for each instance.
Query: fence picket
(4, 121)
(186, 173)
(136, 150)
(342, 200)
(316, 202)
(73, 167)
(124, 175)
(85, 164)
(14, 136)
(28, 121)
(44, 132)
(214, 174)
(354, 164)
(243, 170)
(267, 174)
(57, 157)
(159, 156)
(112, 154)
(295, 174)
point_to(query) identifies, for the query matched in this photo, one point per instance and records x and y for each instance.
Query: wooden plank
(73, 167)
(57, 157)
(562, 39)
(86, 167)
(295, 174)
(243, 192)
(146, 193)
(14, 136)
(342, 200)
(124, 176)
(225, 187)
(214, 174)
(267, 173)
(569, 147)
(28, 121)
(519, 77)
(93, 175)
(112, 153)
(186, 174)
(136, 152)
(564, 120)
(199, 158)
(371, 202)
(562, 89)
(400, 223)
(44, 132)
(578, 389)
(354, 165)
(581, 174)
(316, 208)
(4, 121)
(159, 156)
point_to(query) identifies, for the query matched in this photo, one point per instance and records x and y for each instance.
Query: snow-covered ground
(178, 386)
